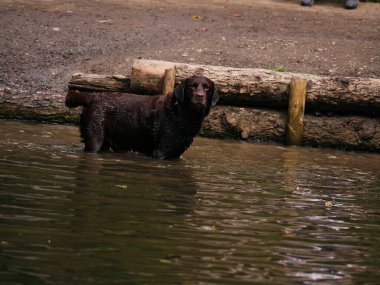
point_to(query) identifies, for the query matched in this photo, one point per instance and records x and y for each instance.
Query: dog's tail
(75, 98)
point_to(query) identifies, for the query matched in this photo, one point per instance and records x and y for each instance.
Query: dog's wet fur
(159, 126)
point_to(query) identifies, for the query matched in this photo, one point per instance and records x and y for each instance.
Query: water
(226, 213)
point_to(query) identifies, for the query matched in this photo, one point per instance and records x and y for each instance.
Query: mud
(43, 42)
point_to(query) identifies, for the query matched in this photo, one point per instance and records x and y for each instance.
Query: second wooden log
(259, 125)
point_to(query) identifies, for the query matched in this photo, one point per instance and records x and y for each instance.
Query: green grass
(280, 68)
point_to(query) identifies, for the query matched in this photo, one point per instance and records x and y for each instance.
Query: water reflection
(227, 212)
(324, 218)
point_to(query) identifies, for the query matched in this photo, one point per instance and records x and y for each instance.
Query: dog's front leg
(159, 154)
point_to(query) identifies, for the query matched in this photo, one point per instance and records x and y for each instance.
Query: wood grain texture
(296, 110)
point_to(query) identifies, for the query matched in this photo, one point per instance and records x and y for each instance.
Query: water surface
(227, 212)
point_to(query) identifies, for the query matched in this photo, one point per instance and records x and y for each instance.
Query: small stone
(245, 133)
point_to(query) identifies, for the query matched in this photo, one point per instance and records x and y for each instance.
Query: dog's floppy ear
(179, 91)
(215, 96)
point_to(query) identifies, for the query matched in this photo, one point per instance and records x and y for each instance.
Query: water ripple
(225, 213)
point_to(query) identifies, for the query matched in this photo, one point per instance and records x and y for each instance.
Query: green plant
(280, 68)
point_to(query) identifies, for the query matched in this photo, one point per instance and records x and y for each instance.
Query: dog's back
(120, 121)
(75, 98)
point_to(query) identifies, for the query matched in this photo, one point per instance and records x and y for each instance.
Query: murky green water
(226, 213)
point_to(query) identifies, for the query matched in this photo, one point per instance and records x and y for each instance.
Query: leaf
(124, 186)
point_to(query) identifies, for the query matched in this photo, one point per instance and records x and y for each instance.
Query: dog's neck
(193, 117)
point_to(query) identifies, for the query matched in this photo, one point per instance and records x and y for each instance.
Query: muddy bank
(45, 42)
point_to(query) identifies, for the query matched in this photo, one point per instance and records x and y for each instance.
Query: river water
(227, 212)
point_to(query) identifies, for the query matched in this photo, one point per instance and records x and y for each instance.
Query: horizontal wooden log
(265, 88)
(344, 132)
(252, 88)
(96, 82)
(39, 106)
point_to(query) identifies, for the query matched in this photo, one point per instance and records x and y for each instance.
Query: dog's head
(197, 93)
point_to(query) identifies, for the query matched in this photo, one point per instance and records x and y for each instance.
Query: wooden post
(296, 110)
(169, 79)
(147, 75)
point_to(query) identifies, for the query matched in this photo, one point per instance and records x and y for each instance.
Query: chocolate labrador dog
(159, 126)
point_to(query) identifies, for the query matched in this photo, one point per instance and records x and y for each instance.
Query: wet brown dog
(159, 126)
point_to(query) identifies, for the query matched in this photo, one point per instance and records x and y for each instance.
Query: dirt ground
(43, 42)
